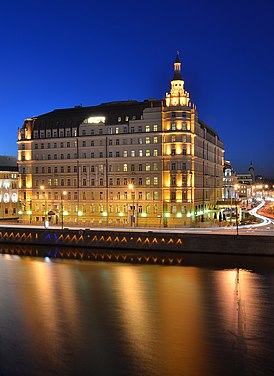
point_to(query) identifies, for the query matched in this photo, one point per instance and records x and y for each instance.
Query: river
(210, 316)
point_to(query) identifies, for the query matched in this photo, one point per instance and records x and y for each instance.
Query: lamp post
(45, 207)
(131, 187)
(237, 224)
(62, 208)
(30, 211)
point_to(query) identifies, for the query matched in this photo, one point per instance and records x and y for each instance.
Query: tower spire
(177, 68)
(177, 96)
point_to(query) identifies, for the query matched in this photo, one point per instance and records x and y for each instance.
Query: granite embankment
(138, 242)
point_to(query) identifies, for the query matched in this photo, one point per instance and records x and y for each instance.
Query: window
(49, 170)
(140, 181)
(125, 153)
(173, 114)
(155, 152)
(147, 180)
(155, 128)
(184, 127)
(110, 154)
(173, 166)
(101, 154)
(155, 181)
(155, 139)
(116, 130)
(173, 126)
(140, 168)
(147, 166)
(155, 195)
(84, 144)
(140, 140)
(117, 154)
(117, 141)
(173, 181)
(155, 166)
(132, 153)
(147, 153)
(109, 142)
(140, 129)
(147, 140)
(125, 167)
(147, 128)
(132, 167)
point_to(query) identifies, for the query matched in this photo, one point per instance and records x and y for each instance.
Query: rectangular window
(147, 128)
(125, 167)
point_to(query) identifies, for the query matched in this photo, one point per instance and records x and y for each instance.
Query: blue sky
(58, 54)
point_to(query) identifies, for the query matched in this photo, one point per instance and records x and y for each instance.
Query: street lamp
(62, 208)
(131, 187)
(45, 207)
(237, 224)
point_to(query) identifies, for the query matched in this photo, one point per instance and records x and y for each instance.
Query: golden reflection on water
(134, 319)
(177, 318)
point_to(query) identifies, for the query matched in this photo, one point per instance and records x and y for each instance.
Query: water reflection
(71, 318)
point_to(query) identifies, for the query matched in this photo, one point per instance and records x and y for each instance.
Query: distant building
(245, 181)
(8, 188)
(126, 163)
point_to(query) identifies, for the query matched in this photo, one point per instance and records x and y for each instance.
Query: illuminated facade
(151, 163)
(9, 205)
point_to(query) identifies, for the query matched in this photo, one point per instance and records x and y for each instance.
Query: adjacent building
(9, 206)
(150, 163)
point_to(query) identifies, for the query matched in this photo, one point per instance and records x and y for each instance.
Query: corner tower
(178, 96)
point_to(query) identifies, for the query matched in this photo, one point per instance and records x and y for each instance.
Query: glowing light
(179, 215)
(144, 215)
(105, 214)
(80, 213)
(96, 119)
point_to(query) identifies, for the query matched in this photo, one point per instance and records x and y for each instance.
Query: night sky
(61, 53)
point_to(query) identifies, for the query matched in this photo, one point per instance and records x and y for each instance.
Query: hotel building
(150, 163)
